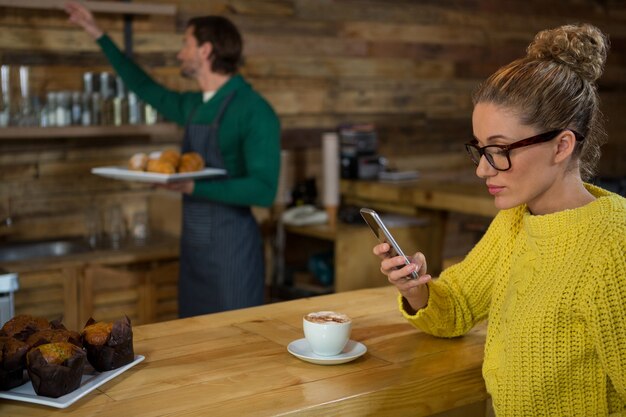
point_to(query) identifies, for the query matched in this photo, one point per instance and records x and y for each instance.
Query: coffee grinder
(358, 147)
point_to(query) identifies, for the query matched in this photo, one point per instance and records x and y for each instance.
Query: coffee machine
(358, 148)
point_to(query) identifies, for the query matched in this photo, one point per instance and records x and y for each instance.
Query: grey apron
(221, 252)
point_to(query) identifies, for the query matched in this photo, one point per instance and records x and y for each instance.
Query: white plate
(90, 382)
(125, 174)
(301, 349)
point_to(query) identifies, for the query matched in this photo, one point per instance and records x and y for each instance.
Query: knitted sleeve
(461, 296)
(173, 105)
(606, 315)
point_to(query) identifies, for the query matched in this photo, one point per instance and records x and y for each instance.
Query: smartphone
(382, 233)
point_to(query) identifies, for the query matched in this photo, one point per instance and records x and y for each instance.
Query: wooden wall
(407, 66)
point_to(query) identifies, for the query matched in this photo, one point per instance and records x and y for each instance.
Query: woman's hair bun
(581, 47)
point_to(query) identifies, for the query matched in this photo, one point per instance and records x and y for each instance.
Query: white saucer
(300, 349)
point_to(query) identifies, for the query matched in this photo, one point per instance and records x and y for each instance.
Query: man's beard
(187, 72)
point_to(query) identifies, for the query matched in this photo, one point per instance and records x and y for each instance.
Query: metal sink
(20, 251)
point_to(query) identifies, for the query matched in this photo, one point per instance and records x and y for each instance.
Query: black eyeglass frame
(506, 149)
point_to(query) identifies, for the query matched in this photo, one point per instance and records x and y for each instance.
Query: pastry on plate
(23, 325)
(138, 162)
(162, 167)
(55, 369)
(190, 162)
(56, 335)
(12, 362)
(108, 345)
(171, 156)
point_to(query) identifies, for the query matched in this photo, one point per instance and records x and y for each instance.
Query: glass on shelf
(5, 95)
(96, 109)
(63, 109)
(120, 104)
(87, 109)
(51, 108)
(77, 108)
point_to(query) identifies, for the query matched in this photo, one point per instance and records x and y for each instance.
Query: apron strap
(215, 124)
(222, 109)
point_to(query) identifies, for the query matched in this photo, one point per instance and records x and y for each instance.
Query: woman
(550, 273)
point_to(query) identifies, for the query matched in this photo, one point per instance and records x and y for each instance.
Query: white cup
(327, 332)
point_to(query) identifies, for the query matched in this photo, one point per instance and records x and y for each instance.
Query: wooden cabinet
(140, 282)
(146, 292)
(50, 293)
(355, 266)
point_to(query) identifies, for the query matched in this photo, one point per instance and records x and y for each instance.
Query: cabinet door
(162, 281)
(52, 294)
(108, 293)
(356, 266)
(146, 292)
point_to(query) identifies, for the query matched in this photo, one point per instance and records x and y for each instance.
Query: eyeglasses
(498, 155)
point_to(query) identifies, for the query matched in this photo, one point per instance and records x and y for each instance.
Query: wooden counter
(456, 191)
(236, 364)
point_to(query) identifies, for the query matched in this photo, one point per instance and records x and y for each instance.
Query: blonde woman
(550, 273)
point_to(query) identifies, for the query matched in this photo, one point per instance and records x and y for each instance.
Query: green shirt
(249, 133)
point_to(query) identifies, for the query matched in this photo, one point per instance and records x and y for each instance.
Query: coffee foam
(327, 317)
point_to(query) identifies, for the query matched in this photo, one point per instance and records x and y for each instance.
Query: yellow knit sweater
(554, 289)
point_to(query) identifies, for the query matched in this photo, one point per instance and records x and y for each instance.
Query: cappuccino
(327, 332)
(327, 317)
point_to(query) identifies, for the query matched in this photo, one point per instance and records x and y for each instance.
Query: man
(232, 127)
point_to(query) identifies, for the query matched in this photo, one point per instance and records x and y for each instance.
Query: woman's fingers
(420, 260)
(381, 250)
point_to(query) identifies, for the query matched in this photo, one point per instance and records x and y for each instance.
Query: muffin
(190, 161)
(138, 162)
(108, 345)
(171, 156)
(23, 325)
(45, 336)
(55, 369)
(162, 167)
(12, 362)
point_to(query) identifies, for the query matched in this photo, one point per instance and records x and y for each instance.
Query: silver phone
(384, 235)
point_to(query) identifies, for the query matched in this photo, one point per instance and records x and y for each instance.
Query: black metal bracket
(128, 33)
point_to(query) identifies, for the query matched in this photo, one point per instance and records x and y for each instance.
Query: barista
(232, 127)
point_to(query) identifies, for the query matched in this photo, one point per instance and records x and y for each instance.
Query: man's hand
(81, 16)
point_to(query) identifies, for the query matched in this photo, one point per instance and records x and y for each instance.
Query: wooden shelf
(70, 132)
(96, 6)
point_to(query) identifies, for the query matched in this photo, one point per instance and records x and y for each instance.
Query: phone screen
(384, 235)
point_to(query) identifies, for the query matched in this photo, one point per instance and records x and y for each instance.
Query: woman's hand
(414, 291)
(81, 16)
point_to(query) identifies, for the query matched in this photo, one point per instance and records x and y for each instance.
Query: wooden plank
(96, 6)
(87, 132)
(235, 7)
(293, 45)
(40, 279)
(346, 67)
(40, 296)
(48, 311)
(434, 34)
(71, 298)
(106, 299)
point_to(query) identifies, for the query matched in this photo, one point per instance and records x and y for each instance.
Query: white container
(8, 285)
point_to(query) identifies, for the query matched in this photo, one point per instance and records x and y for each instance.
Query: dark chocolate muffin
(56, 369)
(12, 362)
(108, 345)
